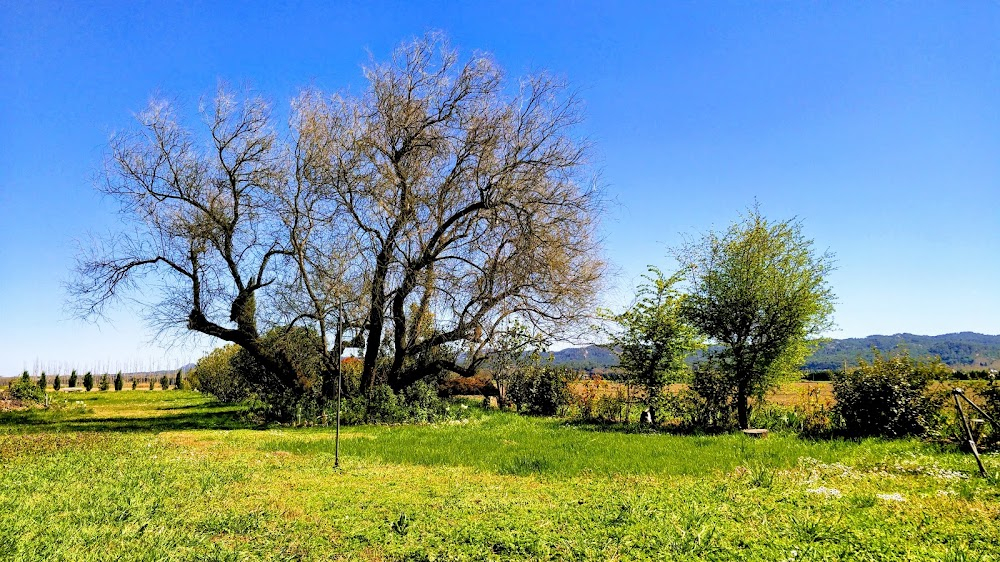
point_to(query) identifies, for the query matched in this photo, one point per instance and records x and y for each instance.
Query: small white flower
(897, 497)
(824, 491)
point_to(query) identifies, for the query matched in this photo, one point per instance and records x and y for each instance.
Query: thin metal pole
(340, 372)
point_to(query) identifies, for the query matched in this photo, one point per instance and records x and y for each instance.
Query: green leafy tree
(178, 380)
(759, 293)
(56, 383)
(119, 382)
(152, 383)
(652, 338)
(164, 382)
(88, 381)
(42, 384)
(72, 379)
(105, 383)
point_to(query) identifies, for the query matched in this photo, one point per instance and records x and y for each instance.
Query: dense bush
(105, 382)
(72, 379)
(26, 390)
(88, 382)
(164, 382)
(541, 389)
(990, 395)
(214, 374)
(119, 381)
(56, 382)
(888, 397)
(179, 380)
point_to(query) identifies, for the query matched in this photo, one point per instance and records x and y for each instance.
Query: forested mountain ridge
(962, 350)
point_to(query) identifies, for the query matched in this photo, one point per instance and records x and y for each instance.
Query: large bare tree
(202, 240)
(459, 198)
(436, 209)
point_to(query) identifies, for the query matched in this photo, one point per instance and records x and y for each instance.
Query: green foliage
(72, 379)
(135, 383)
(88, 381)
(42, 384)
(179, 380)
(991, 396)
(514, 349)
(888, 397)
(759, 292)
(214, 374)
(119, 381)
(56, 382)
(26, 390)
(105, 383)
(164, 382)
(152, 383)
(652, 338)
(281, 402)
(542, 389)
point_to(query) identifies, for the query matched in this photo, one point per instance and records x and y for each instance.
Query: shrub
(285, 402)
(72, 379)
(888, 397)
(135, 383)
(164, 382)
(422, 402)
(42, 384)
(105, 383)
(26, 390)
(991, 403)
(119, 382)
(56, 383)
(541, 389)
(383, 406)
(178, 380)
(714, 404)
(214, 374)
(88, 381)
(152, 383)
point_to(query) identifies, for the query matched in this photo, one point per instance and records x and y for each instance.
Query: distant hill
(963, 351)
(589, 357)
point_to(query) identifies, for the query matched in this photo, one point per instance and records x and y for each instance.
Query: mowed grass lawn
(172, 476)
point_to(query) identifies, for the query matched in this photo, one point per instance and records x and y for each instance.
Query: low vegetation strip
(497, 486)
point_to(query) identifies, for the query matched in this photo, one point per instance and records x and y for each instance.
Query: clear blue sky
(877, 124)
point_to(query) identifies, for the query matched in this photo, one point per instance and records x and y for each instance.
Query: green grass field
(172, 476)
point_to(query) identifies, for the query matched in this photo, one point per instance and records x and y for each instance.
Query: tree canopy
(435, 207)
(651, 337)
(759, 291)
